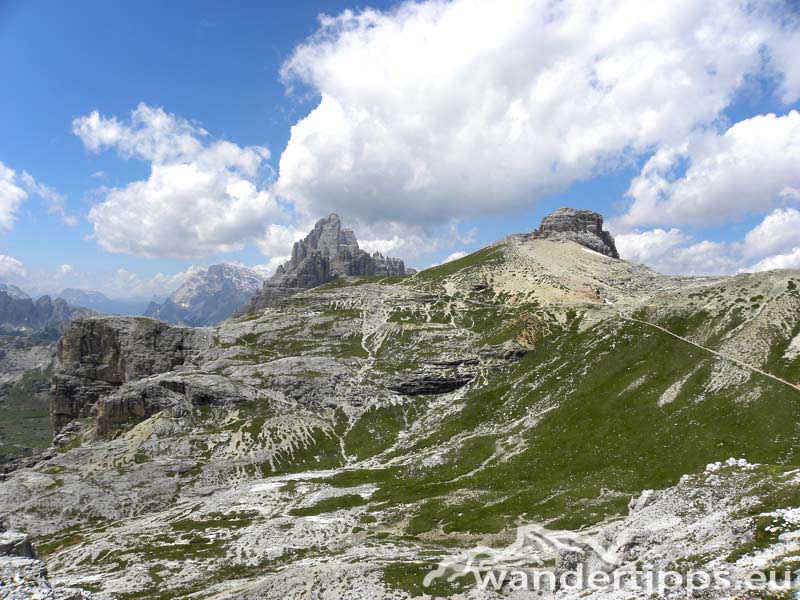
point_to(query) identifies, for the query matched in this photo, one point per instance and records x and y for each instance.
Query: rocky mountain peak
(584, 227)
(327, 237)
(328, 252)
(208, 296)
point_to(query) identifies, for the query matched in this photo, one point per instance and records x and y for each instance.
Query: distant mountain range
(206, 298)
(21, 314)
(104, 304)
(209, 296)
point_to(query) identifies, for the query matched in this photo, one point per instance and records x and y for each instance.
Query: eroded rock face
(329, 251)
(100, 354)
(136, 401)
(582, 226)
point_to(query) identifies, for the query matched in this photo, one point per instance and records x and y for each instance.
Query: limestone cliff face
(329, 251)
(582, 226)
(98, 355)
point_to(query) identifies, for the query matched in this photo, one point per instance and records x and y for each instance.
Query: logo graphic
(534, 548)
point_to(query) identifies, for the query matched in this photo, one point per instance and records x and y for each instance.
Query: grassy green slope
(602, 435)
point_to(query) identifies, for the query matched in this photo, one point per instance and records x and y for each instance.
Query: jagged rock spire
(329, 251)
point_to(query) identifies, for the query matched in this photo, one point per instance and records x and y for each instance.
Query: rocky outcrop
(139, 400)
(424, 384)
(98, 355)
(582, 226)
(327, 252)
(15, 543)
(209, 296)
(22, 573)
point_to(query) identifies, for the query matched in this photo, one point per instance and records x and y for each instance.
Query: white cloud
(701, 258)
(202, 196)
(268, 270)
(778, 232)
(17, 188)
(449, 258)
(56, 203)
(11, 196)
(750, 168)
(649, 246)
(408, 243)
(789, 260)
(440, 109)
(120, 283)
(11, 268)
(125, 283)
(454, 256)
(675, 252)
(775, 241)
(278, 240)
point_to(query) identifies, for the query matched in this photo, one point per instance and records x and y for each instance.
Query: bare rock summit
(328, 252)
(584, 227)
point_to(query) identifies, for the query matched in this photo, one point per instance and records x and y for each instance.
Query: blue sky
(428, 152)
(214, 62)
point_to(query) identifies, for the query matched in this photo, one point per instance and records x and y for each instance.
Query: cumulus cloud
(440, 109)
(409, 242)
(11, 268)
(676, 252)
(750, 168)
(775, 241)
(777, 233)
(268, 270)
(119, 283)
(202, 196)
(789, 260)
(649, 246)
(277, 240)
(773, 244)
